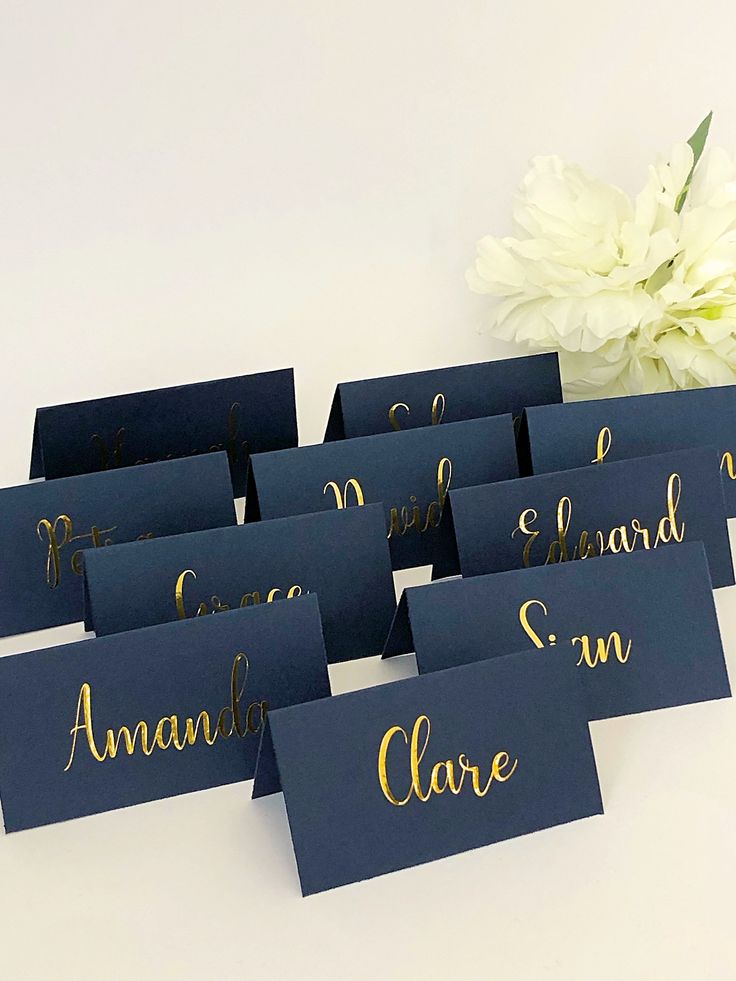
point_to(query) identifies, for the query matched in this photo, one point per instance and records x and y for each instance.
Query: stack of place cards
(586, 594)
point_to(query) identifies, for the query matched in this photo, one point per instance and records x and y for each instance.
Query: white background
(191, 190)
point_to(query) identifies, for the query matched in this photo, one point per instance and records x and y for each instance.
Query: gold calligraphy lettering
(404, 519)
(252, 598)
(59, 533)
(395, 424)
(401, 519)
(437, 412)
(54, 544)
(524, 620)
(438, 408)
(443, 775)
(110, 457)
(168, 730)
(593, 650)
(341, 496)
(621, 538)
(603, 445)
(602, 649)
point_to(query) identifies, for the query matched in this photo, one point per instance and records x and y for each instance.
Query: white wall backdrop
(190, 190)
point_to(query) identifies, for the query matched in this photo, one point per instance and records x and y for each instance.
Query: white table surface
(191, 190)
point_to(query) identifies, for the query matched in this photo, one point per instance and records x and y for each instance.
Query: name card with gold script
(342, 556)
(648, 503)
(47, 527)
(442, 395)
(604, 430)
(151, 713)
(641, 629)
(413, 771)
(247, 414)
(411, 473)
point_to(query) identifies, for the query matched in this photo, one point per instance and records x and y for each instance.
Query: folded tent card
(641, 629)
(242, 415)
(425, 398)
(49, 526)
(605, 430)
(389, 777)
(411, 473)
(342, 556)
(646, 503)
(150, 713)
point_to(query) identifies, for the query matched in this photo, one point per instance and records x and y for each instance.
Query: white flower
(636, 295)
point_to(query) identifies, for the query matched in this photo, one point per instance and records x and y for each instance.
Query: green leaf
(697, 140)
(697, 144)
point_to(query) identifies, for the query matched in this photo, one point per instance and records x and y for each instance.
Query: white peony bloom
(636, 295)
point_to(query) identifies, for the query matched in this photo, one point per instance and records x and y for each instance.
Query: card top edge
(197, 624)
(366, 512)
(375, 693)
(544, 356)
(665, 556)
(139, 471)
(702, 451)
(590, 405)
(165, 390)
(499, 421)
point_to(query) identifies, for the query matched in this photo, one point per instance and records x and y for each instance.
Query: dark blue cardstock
(641, 628)
(410, 472)
(618, 507)
(354, 809)
(425, 398)
(579, 433)
(342, 556)
(247, 414)
(47, 526)
(235, 668)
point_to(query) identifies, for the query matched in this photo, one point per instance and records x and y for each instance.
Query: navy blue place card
(342, 556)
(427, 398)
(411, 473)
(48, 526)
(645, 503)
(580, 433)
(151, 713)
(641, 628)
(390, 777)
(247, 414)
